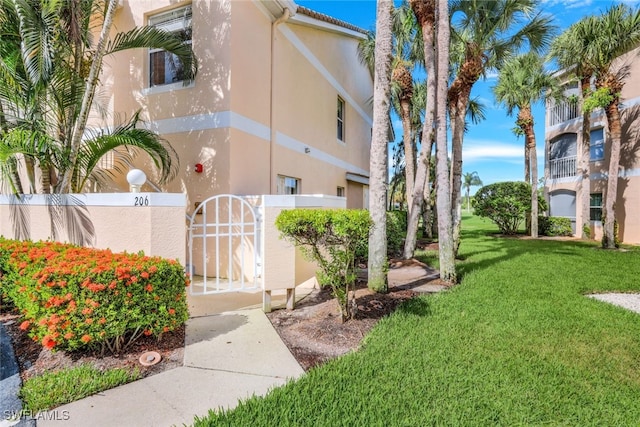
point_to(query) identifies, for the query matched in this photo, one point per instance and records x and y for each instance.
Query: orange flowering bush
(72, 297)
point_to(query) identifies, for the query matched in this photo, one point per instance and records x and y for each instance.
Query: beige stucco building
(563, 138)
(280, 105)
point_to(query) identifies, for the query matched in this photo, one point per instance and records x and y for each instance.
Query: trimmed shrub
(506, 204)
(396, 232)
(73, 297)
(329, 237)
(554, 226)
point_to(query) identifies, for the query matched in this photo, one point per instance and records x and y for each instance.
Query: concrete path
(229, 355)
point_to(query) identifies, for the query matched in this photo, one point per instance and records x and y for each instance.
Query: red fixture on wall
(199, 168)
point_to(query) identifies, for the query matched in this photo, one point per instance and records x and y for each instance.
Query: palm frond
(155, 38)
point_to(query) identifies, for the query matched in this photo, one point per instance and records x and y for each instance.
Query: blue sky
(490, 148)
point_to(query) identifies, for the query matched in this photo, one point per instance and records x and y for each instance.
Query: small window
(596, 145)
(340, 192)
(288, 185)
(107, 161)
(595, 207)
(164, 67)
(340, 119)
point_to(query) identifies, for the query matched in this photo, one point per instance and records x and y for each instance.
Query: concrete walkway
(231, 352)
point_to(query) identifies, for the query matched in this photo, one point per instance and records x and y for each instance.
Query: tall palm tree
(447, 250)
(612, 34)
(522, 82)
(377, 277)
(484, 33)
(52, 59)
(424, 11)
(406, 54)
(470, 179)
(570, 50)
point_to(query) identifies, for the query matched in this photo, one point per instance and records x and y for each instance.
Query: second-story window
(596, 145)
(164, 67)
(340, 125)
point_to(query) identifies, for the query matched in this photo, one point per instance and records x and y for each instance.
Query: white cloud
(475, 150)
(568, 4)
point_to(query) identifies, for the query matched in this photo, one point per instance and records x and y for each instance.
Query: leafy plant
(73, 297)
(554, 226)
(330, 238)
(599, 98)
(506, 204)
(52, 389)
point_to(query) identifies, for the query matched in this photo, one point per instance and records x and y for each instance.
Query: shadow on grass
(509, 247)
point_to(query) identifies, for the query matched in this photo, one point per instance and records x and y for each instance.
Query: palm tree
(470, 179)
(447, 250)
(424, 11)
(54, 68)
(406, 53)
(569, 50)
(612, 34)
(484, 33)
(522, 82)
(377, 278)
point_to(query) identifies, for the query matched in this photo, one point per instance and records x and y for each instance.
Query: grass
(57, 388)
(516, 343)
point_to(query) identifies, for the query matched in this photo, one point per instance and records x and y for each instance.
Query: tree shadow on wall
(70, 218)
(629, 154)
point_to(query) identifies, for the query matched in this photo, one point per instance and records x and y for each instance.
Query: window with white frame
(288, 185)
(340, 124)
(340, 192)
(164, 67)
(595, 207)
(596, 145)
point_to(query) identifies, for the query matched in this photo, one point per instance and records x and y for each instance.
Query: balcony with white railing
(563, 167)
(561, 112)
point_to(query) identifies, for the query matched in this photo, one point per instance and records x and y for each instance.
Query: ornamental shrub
(396, 233)
(329, 237)
(554, 226)
(73, 297)
(506, 204)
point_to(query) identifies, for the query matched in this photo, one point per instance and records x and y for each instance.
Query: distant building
(563, 136)
(280, 105)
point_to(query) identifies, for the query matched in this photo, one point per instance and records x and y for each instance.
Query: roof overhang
(276, 7)
(356, 177)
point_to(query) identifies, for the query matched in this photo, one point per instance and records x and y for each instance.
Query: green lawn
(516, 343)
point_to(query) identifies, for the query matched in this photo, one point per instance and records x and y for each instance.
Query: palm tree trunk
(447, 248)
(87, 99)
(584, 185)
(425, 14)
(615, 133)
(457, 133)
(409, 150)
(377, 278)
(526, 118)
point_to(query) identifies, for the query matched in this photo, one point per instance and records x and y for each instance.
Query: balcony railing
(563, 168)
(562, 112)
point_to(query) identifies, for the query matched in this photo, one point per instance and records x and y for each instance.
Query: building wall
(225, 121)
(627, 206)
(153, 226)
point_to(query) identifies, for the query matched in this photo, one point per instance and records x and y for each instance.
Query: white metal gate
(224, 246)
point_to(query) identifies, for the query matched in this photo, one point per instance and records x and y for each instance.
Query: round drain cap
(150, 358)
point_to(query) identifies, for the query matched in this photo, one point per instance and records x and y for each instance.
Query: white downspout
(286, 14)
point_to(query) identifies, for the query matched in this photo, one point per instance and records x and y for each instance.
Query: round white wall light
(136, 179)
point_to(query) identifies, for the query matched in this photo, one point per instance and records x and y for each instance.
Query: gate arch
(224, 246)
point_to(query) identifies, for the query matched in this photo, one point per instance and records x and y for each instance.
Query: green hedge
(72, 297)
(331, 238)
(554, 226)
